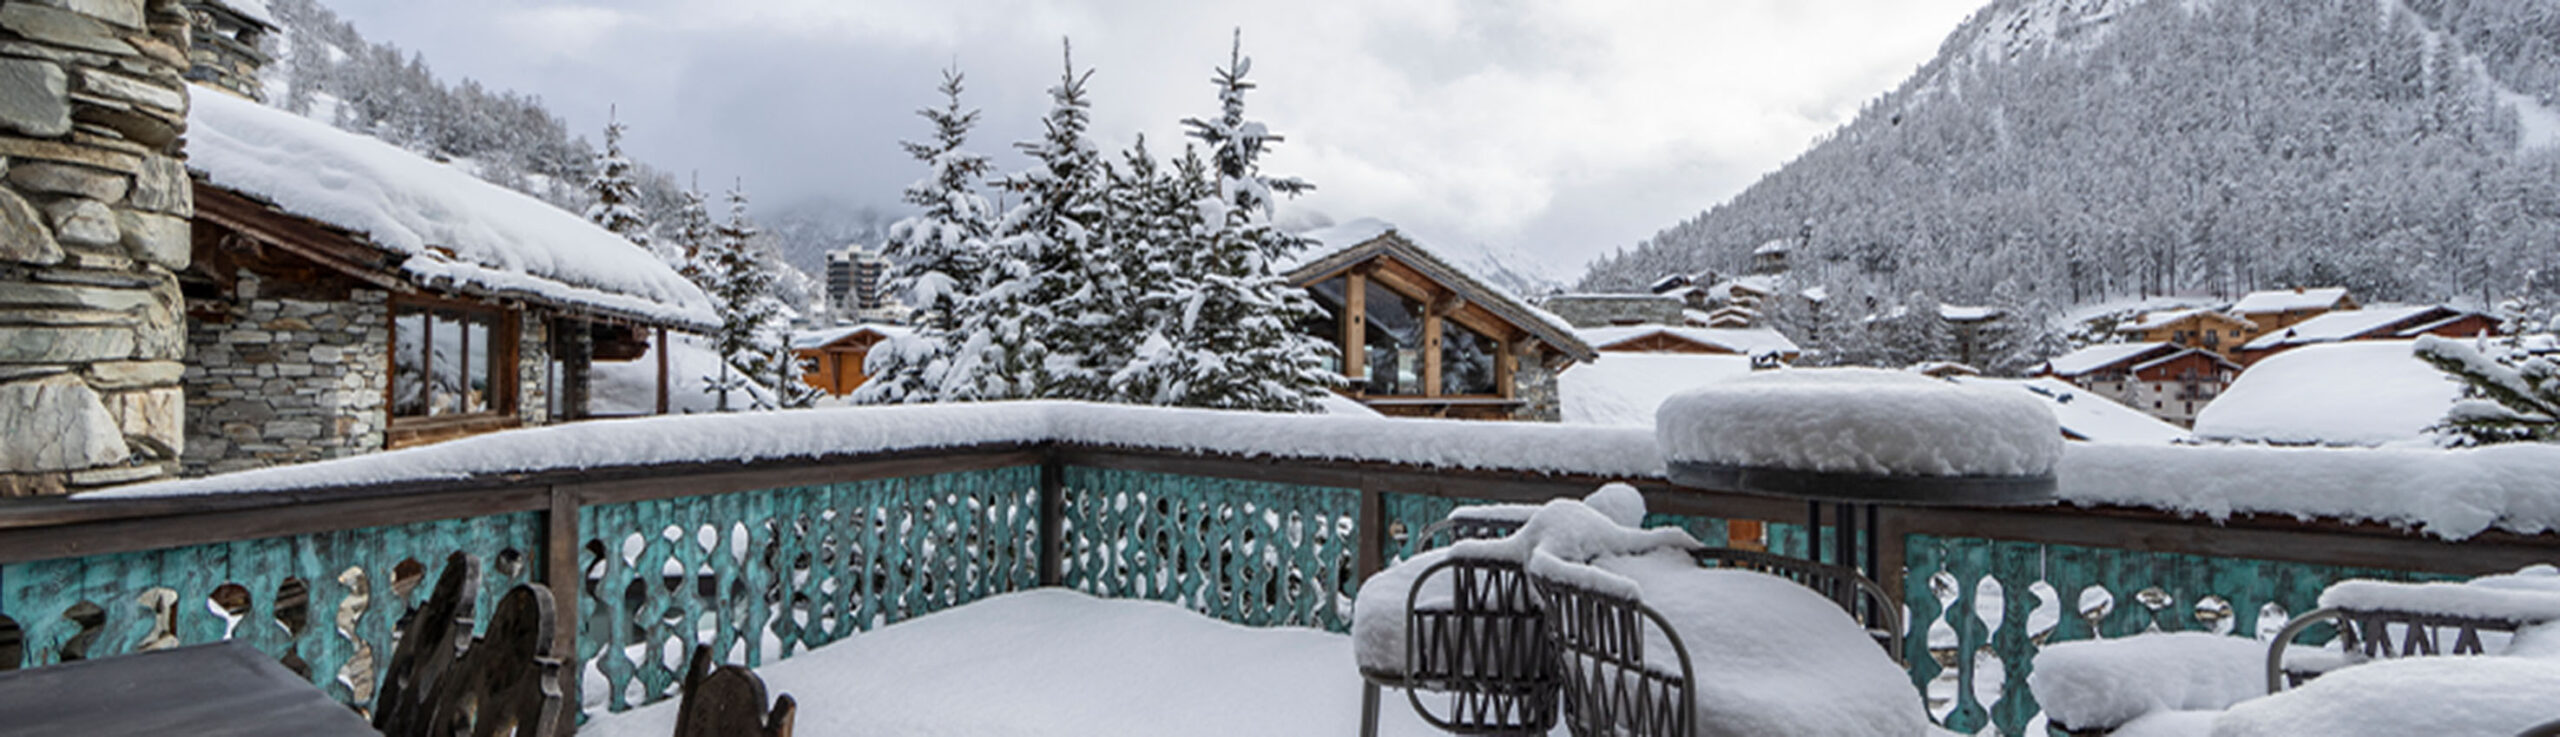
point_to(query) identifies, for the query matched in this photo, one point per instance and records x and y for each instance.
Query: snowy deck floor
(1055, 662)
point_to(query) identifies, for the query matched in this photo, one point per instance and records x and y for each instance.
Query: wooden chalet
(1423, 338)
(309, 337)
(2166, 380)
(831, 360)
(2376, 323)
(2274, 310)
(2211, 330)
(1753, 342)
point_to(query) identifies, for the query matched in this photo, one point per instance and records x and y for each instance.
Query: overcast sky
(1556, 128)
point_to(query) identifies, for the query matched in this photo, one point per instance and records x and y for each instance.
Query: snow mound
(2093, 684)
(2360, 393)
(1624, 389)
(1860, 421)
(2452, 494)
(2419, 696)
(454, 228)
(2529, 595)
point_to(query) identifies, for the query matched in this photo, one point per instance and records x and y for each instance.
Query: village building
(2373, 323)
(1748, 342)
(2356, 393)
(344, 296)
(2086, 415)
(832, 360)
(2275, 310)
(2169, 381)
(1597, 310)
(2208, 329)
(1422, 338)
(223, 50)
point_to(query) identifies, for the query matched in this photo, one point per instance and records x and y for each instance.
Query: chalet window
(1466, 361)
(1328, 299)
(450, 361)
(1394, 342)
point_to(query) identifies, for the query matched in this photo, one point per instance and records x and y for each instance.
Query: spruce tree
(1233, 342)
(1070, 317)
(938, 259)
(2509, 398)
(616, 192)
(743, 291)
(693, 239)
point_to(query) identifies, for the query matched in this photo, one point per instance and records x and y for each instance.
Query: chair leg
(1368, 709)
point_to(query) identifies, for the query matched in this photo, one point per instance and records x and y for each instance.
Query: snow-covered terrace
(999, 504)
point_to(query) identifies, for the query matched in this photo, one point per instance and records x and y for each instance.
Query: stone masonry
(93, 226)
(287, 381)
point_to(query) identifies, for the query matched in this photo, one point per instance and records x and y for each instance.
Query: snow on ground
(1623, 389)
(1056, 662)
(1861, 421)
(2098, 683)
(453, 227)
(2358, 393)
(751, 436)
(631, 387)
(2087, 415)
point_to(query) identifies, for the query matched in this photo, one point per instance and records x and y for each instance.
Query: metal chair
(1484, 653)
(2368, 635)
(1609, 680)
(1866, 601)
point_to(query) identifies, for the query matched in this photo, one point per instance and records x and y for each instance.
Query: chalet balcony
(1069, 537)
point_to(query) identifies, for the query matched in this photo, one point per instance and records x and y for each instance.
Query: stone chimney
(226, 52)
(93, 228)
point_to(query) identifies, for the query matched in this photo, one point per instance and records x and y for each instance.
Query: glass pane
(444, 377)
(481, 363)
(1328, 328)
(1394, 342)
(1466, 361)
(408, 363)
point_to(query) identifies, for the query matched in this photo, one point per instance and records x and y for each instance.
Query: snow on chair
(2385, 619)
(1869, 604)
(1482, 648)
(1616, 686)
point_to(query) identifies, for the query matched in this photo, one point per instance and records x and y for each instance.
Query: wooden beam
(1431, 353)
(1355, 328)
(1506, 369)
(662, 370)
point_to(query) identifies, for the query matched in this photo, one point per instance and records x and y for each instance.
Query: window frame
(504, 353)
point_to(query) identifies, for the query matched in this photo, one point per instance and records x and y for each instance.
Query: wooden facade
(832, 361)
(1421, 338)
(2206, 329)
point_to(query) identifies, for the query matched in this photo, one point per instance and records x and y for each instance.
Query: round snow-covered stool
(1856, 438)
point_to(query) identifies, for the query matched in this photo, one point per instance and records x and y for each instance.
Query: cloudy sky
(1559, 129)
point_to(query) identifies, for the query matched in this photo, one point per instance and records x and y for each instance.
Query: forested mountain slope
(2077, 151)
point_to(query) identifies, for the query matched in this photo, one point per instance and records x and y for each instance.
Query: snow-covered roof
(2342, 325)
(255, 10)
(1608, 296)
(2147, 363)
(1623, 389)
(1746, 341)
(2163, 318)
(818, 338)
(1668, 283)
(2281, 300)
(1342, 245)
(1781, 245)
(1968, 313)
(2360, 393)
(2098, 357)
(2089, 416)
(456, 231)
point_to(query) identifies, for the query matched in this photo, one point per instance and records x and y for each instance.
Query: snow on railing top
(2448, 494)
(770, 436)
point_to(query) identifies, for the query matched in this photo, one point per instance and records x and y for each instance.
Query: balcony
(771, 535)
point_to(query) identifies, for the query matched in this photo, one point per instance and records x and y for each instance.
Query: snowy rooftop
(2089, 416)
(2163, 318)
(2341, 325)
(2281, 300)
(1746, 341)
(2361, 393)
(1623, 389)
(1967, 313)
(2098, 357)
(456, 230)
(816, 338)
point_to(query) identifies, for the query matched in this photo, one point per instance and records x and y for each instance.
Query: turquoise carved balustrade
(1249, 552)
(323, 603)
(1981, 609)
(767, 574)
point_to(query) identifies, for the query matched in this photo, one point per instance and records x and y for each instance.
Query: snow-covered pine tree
(1072, 316)
(742, 290)
(617, 193)
(2509, 398)
(693, 239)
(938, 257)
(1233, 342)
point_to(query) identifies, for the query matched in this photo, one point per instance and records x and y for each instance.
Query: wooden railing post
(1053, 491)
(560, 573)
(1372, 528)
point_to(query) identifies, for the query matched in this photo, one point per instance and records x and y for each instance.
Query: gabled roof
(2098, 357)
(810, 339)
(1745, 341)
(1968, 313)
(2353, 324)
(2165, 318)
(1342, 246)
(2147, 363)
(2086, 415)
(2281, 300)
(445, 228)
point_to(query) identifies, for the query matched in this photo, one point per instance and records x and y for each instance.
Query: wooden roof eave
(1501, 305)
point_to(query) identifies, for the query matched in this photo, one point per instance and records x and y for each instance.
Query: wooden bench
(728, 701)
(443, 681)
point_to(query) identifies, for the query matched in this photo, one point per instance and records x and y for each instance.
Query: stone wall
(93, 209)
(1603, 310)
(533, 370)
(287, 381)
(1535, 386)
